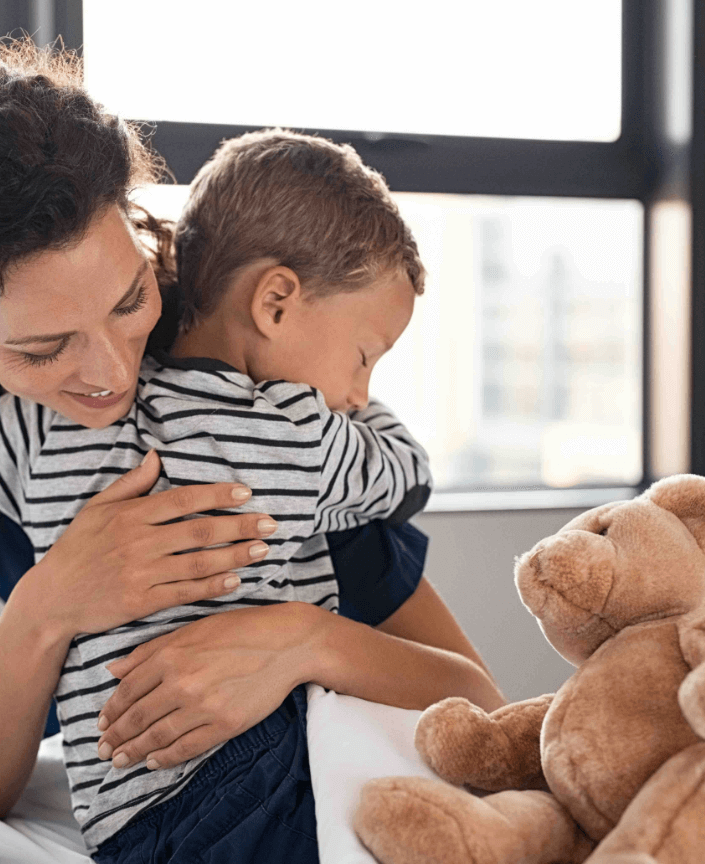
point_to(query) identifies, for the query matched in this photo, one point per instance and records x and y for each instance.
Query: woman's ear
(274, 301)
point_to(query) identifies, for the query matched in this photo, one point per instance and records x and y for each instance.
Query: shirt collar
(199, 364)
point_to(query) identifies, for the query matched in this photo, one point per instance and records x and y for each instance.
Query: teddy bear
(611, 768)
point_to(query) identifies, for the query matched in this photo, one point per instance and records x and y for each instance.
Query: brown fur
(620, 593)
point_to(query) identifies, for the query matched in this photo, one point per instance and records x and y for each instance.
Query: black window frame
(641, 164)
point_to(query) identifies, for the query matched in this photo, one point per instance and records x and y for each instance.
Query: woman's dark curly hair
(64, 158)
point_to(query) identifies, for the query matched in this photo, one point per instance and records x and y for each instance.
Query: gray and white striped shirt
(313, 470)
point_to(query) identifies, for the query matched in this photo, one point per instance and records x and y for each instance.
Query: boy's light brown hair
(308, 203)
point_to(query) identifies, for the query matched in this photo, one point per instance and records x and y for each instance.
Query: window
(508, 68)
(521, 365)
(526, 151)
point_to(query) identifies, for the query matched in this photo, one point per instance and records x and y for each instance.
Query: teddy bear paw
(462, 744)
(414, 820)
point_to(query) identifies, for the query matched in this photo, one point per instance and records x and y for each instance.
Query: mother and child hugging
(177, 649)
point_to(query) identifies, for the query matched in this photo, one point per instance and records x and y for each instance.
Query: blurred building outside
(521, 367)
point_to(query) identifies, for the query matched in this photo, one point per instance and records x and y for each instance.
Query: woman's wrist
(28, 634)
(325, 658)
(309, 654)
(32, 606)
(357, 660)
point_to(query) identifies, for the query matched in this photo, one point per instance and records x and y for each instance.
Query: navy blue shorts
(251, 802)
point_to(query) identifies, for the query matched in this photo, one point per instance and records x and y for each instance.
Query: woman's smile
(103, 399)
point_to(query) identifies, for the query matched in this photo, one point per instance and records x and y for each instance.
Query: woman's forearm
(357, 660)
(31, 657)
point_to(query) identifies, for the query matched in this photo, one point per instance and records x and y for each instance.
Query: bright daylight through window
(506, 68)
(523, 364)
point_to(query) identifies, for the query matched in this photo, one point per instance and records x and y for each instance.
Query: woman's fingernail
(267, 526)
(103, 723)
(258, 550)
(121, 760)
(152, 764)
(231, 582)
(146, 456)
(241, 493)
(105, 751)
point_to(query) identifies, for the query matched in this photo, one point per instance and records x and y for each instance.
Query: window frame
(696, 183)
(641, 165)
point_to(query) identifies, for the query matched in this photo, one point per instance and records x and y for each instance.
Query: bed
(350, 741)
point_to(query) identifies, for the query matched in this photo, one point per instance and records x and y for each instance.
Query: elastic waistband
(292, 710)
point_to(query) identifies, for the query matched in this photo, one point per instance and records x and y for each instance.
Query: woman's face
(74, 323)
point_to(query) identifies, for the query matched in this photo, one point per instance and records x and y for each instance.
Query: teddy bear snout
(565, 581)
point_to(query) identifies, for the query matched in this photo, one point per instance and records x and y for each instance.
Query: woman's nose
(107, 365)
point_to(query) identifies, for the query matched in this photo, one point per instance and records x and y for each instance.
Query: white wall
(470, 562)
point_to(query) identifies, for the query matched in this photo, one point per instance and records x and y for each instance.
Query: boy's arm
(372, 468)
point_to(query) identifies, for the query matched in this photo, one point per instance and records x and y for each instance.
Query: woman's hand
(200, 685)
(115, 562)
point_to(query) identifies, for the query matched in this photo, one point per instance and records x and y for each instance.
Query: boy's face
(334, 342)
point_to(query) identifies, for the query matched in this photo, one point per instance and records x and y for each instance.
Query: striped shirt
(311, 469)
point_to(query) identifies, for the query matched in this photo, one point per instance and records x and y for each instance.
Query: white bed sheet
(40, 828)
(350, 741)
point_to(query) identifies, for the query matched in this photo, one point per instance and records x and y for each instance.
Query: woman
(115, 562)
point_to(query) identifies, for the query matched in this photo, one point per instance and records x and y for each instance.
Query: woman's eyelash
(42, 359)
(136, 305)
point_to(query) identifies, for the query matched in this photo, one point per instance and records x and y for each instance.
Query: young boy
(297, 274)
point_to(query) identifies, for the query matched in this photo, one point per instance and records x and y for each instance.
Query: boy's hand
(182, 693)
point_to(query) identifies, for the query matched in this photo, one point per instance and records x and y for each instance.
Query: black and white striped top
(313, 470)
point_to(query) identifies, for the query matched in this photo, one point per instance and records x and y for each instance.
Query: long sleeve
(372, 468)
(17, 429)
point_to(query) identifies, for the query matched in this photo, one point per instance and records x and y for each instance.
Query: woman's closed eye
(42, 359)
(136, 304)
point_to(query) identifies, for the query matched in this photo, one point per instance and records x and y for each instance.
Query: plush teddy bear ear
(684, 496)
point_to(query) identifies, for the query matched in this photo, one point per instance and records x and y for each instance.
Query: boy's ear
(276, 294)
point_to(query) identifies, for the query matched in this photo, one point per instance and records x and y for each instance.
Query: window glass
(522, 363)
(546, 69)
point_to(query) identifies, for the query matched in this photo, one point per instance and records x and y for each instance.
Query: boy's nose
(358, 399)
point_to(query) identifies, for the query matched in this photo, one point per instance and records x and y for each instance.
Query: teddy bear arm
(467, 746)
(520, 723)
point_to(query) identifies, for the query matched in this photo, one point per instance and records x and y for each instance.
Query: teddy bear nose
(567, 579)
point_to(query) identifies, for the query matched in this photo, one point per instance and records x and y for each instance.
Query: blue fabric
(16, 557)
(378, 568)
(250, 803)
